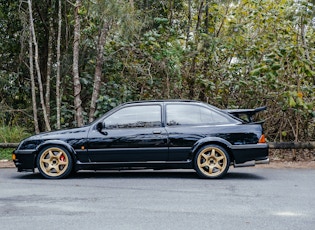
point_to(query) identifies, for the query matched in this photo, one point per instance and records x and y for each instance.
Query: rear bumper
(250, 155)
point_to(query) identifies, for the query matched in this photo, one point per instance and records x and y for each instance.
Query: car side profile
(161, 134)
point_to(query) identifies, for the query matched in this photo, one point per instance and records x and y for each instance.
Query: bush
(6, 154)
(10, 135)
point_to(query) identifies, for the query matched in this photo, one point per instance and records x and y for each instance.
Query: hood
(65, 135)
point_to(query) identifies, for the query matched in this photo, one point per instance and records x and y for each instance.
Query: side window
(135, 117)
(193, 115)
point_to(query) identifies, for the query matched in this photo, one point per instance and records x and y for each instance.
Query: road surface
(247, 198)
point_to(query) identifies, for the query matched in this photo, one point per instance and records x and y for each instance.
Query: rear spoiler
(246, 115)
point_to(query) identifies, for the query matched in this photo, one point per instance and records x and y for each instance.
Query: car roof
(162, 101)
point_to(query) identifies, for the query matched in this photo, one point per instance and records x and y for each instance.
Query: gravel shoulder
(6, 164)
(289, 164)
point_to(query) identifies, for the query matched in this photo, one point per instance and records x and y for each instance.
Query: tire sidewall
(66, 173)
(203, 175)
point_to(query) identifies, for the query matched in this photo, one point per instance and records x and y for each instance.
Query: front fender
(210, 140)
(56, 143)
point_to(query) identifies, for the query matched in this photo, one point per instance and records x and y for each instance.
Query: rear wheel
(212, 161)
(54, 162)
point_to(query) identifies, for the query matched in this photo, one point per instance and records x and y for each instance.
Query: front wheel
(212, 161)
(54, 162)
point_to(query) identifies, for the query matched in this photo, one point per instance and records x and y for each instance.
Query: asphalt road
(247, 198)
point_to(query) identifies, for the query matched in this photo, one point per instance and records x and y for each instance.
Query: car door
(134, 133)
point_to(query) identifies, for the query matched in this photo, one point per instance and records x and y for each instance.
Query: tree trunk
(49, 66)
(171, 5)
(98, 69)
(58, 96)
(207, 18)
(189, 23)
(132, 5)
(199, 16)
(40, 85)
(33, 87)
(75, 69)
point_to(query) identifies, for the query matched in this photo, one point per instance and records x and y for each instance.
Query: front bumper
(25, 160)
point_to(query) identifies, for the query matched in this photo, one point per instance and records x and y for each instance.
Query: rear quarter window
(177, 114)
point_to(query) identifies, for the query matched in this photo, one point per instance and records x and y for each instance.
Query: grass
(6, 154)
(11, 135)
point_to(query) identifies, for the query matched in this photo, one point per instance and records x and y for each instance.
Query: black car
(165, 134)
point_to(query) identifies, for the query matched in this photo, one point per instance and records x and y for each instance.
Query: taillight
(262, 139)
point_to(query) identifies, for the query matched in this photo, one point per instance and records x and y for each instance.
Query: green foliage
(6, 154)
(236, 54)
(12, 134)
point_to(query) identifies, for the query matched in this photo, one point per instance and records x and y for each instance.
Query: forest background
(64, 63)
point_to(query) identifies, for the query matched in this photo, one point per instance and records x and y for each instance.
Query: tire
(212, 161)
(54, 162)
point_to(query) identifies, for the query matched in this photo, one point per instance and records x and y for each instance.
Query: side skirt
(134, 165)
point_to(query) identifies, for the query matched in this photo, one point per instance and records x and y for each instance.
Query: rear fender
(210, 140)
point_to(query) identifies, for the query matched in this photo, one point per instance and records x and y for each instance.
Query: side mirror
(99, 128)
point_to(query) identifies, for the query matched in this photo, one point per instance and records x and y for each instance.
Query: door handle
(157, 132)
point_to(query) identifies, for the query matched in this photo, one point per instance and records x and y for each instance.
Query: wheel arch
(55, 143)
(212, 141)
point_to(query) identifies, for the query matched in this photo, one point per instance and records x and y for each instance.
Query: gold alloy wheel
(54, 162)
(212, 161)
